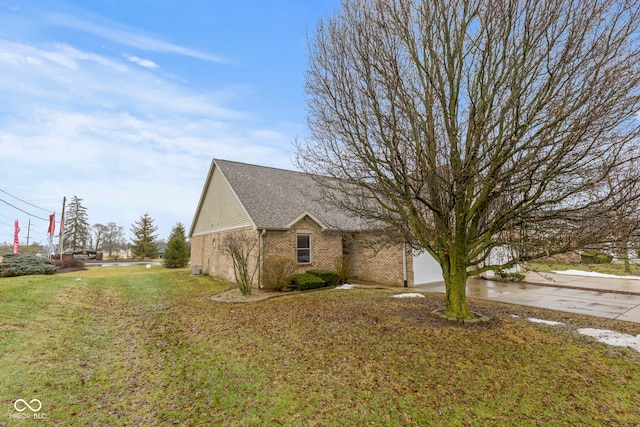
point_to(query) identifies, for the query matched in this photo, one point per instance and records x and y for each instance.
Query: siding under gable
(221, 209)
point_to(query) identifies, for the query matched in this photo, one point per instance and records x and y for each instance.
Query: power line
(24, 201)
(22, 210)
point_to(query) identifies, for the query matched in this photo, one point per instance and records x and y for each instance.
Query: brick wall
(207, 251)
(368, 261)
(373, 262)
(326, 246)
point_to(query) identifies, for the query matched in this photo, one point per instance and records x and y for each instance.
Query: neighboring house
(281, 211)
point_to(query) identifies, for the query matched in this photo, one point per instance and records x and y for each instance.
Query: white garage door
(426, 269)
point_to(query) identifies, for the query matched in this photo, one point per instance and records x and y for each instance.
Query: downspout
(404, 264)
(260, 256)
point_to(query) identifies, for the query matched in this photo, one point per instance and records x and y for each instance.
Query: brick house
(281, 211)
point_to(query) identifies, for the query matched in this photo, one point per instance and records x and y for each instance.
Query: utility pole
(61, 233)
(28, 231)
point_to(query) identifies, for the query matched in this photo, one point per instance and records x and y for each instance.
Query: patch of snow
(409, 295)
(346, 286)
(613, 338)
(594, 274)
(546, 322)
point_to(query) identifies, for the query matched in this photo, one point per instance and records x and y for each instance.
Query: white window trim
(306, 248)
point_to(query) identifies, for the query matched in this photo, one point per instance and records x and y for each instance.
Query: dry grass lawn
(130, 346)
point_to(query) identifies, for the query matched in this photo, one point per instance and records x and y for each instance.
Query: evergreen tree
(76, 226)
(144, 241)
(177, 253)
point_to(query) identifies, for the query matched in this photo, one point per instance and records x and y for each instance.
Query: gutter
(404, 264)
(260, 257)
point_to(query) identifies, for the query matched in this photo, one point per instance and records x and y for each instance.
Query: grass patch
(130, 346)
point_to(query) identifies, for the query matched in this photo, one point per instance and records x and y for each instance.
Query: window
(303, 248)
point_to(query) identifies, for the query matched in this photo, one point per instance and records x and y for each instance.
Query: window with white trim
(303, 248)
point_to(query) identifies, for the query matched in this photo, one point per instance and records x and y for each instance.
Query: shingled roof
(277, 198)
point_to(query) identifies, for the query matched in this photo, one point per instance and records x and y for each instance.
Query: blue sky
(125, 103)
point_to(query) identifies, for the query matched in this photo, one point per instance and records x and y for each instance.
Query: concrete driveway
(595, 296)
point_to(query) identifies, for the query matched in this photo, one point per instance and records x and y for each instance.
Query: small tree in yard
(144, 242)
(472, 124)
(177, 253)
(241, 248)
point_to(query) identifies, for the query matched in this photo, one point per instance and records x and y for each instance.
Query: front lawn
(130, 346)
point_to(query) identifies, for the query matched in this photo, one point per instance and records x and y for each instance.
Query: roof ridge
(264, 167)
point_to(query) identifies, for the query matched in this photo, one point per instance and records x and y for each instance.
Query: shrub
(595, 258)
(277, 272)
(74, 263)
(24, 265)
(503, 276)
(304, 281)
(331, 278)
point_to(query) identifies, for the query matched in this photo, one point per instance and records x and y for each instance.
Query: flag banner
(52, 224)
(16, 241)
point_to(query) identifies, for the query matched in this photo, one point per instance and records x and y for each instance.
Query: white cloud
(146, 63)
(128, 37)
(74, 122)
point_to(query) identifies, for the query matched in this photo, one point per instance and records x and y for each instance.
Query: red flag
(16, 241)
(52, 224)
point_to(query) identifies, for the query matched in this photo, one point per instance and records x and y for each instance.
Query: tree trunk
(455, 280)
(625, 257)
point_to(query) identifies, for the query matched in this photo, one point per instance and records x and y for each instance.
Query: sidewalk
(584, 282)
(611, 298)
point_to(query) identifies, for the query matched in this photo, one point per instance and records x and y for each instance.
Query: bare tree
(97, 237)
(114, 238)
(470, 124)
(624, 215)
(241, 249)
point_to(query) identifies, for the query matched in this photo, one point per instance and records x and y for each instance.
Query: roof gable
(219, 207)
(277, 198)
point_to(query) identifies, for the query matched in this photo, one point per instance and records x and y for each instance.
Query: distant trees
(176, 254)
(114, 238)
(144, 242)
(76, 226)
(79, 235)
(98, 232)
(108, 237)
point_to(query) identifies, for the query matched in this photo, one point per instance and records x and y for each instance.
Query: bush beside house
(277, 272)
(595, 258)
(304, 281)
(330, 278)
